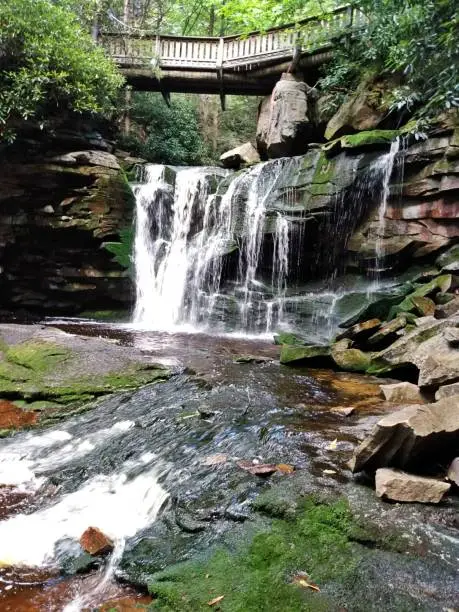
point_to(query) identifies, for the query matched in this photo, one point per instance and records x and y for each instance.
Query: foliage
(238, 122)
(122, 250)
(168, 135)
(49, 63)
(415, 39)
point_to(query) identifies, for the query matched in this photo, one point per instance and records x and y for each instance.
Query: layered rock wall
(57, 208)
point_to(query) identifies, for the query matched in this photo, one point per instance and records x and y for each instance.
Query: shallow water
(162, 462)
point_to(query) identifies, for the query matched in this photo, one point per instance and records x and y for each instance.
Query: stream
(157, 469)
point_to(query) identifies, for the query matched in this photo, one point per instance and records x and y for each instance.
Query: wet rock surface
(258, 414)
(48, 374)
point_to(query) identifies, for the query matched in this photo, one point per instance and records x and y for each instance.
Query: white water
(279, 271)
(385, 166)
(22, 462)
(181, 240)
(119, 503)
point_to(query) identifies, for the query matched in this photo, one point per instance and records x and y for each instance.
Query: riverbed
(169, 471)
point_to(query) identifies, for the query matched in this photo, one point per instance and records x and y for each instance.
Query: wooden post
(127, 111)
(219, 67)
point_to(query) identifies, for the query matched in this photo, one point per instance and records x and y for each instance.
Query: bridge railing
(231, 52)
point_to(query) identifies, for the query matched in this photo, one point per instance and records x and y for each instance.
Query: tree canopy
(49, 63)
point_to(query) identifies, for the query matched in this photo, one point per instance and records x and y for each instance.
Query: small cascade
(279, 270)
(263, 179)
(383, 167)
(151, 199)
(165, 256)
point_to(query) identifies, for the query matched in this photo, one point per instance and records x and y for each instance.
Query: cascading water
(222, 253)
(279, 271)
(384, 166)
(183, 232)
(163, 251)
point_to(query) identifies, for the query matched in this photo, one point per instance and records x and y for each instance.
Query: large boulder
(244, 155)
(363, 110)
(428, 348)
(283, 123)
(312, 354)
(350, 359)
(447, 391)
(402, 392)
(403, 487)
(418, 436)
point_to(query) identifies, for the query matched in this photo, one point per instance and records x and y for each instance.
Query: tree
(50, 64)
(415, 39)
(166, 134)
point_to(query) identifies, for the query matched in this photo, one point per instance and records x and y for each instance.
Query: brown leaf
(285, 468)
(301, 579)
(258, 469)
(215, 601)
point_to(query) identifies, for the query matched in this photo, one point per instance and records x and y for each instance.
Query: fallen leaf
(258, 469)
(285, 468)
(333, 445)
(343, 410)
(217, 459)
(328, 472)
(215, 601)
(301, 579)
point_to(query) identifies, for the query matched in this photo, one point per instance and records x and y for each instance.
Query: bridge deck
(228, 64)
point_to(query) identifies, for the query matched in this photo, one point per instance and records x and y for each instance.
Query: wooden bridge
(249, 64)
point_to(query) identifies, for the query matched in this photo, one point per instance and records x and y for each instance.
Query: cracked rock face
(412, 438)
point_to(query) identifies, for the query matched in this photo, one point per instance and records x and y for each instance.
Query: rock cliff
(59, 203)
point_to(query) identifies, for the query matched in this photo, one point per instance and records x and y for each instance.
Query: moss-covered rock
(52, 379)
(351, 359)
(301, 354)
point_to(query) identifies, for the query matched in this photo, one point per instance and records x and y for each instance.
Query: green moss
(275, 505)
(258, 577)
(351, 359)
(37, 356)
(325, 170)
(296, 353)
(287, 338)
(369, 138)
(30, 374)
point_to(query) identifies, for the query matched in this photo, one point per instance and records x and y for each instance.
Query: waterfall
(183, 231)
(383, 166)
(223, 252)
(263, 180)
(279, 270)
(165, 255)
